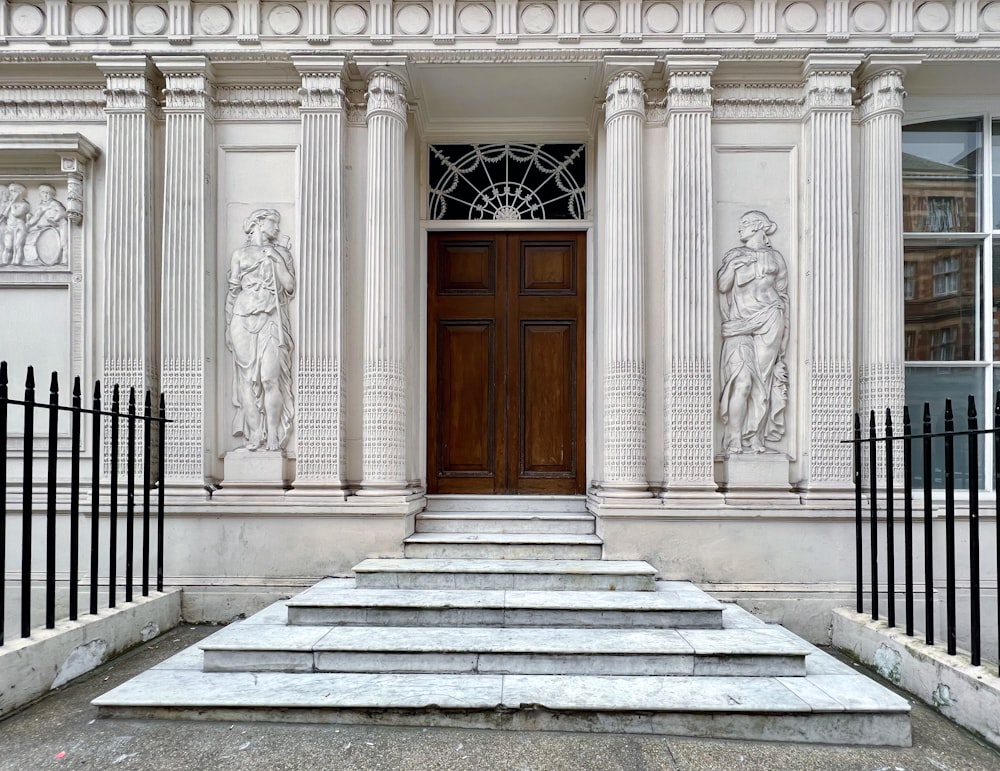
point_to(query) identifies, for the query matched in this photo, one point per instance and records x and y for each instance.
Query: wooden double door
(506, 362)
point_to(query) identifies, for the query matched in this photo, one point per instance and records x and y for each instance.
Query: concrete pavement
(62, 731)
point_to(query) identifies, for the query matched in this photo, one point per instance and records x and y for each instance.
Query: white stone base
(754, 475)
(257, 471)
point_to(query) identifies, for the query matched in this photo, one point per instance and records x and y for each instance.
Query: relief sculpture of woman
(753, 286)
(261, 283)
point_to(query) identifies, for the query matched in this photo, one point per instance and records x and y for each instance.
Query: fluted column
(384, 377)
(880, 285)
(130, 281)
(189, 265)
(688, 409)
(828, 110)
(320, 412)
(622, 284)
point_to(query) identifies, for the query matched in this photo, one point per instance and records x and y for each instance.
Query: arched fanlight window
(507, 182)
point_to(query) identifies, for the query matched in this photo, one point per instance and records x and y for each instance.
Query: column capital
(689, 83)
(129, 83)
(626, 94)
(829, 81)
(188, 88)
(882, 89)
(322, 88)
(387, 81)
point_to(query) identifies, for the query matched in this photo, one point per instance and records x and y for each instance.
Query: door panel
(506, 363)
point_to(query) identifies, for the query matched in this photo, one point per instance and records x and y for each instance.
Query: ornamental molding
(257, 102)
(52, 103)
(754, 101)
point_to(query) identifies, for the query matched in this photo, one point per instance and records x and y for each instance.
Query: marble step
(534, 651)
(838, 708)
(580, 575)
(503, 546)
(504, 522)
(674, 605)
(540, 504)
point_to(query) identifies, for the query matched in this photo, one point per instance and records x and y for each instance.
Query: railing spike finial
(3, 376)
(871, 420)
(76, 387)
(888, 418)
(97, 389)
(29, 381)
(857, 418)
(972, 406)
(906, 416)
(54, 383)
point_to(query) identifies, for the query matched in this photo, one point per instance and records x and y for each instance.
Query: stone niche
(44, 184)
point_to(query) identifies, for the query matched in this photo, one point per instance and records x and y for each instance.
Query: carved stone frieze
(55, 103)
(751, 101)
(32, 234)
(246, 102)
(357, 107)
(656, 105)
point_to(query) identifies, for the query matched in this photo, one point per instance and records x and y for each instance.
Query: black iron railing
(880, 452)
(147, 427)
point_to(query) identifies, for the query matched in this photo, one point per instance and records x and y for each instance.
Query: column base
(398, 490)
(623, 490)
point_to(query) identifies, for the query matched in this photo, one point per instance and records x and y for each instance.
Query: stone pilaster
(320, 412)
(880, 259)
(384, 377)
(622, 259)
(690, 282)
(130, 281)
(829, 241)
(189, 266)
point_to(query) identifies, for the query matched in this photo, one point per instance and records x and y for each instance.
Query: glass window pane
(942, 290)
(996, 175)
(941, 176)
(934, 385)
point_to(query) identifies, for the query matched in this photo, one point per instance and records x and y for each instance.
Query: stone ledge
(32, 666)
(968, 695)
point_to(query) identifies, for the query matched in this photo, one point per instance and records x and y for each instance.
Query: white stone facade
(161, 127)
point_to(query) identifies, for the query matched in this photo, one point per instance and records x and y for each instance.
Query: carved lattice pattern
(508, 182)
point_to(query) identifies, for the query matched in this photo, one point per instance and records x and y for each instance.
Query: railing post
(928, 529)
(873, 507)
(974, 530)
(949, 523)
(74, 503)
(890, 532)
(858, 527)
(26, 502)
(113, 511)
(3, 495)
(50, 505)
(147, 422)
(908, 515)
(130, 497)
(95, 495)
(161, 466)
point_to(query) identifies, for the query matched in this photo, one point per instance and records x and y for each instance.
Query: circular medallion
(933, 17)
(728, 17)
(284, 19)
(800, 17)
(27, 19)
(475, 19)
(991, 17)
(537, 19)
(150, 20)
(47, 245)
(215, 20)
(89, 20)
(600, 18)
(869, 17)
(662, 18)
(413, 19)
(350, 20)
